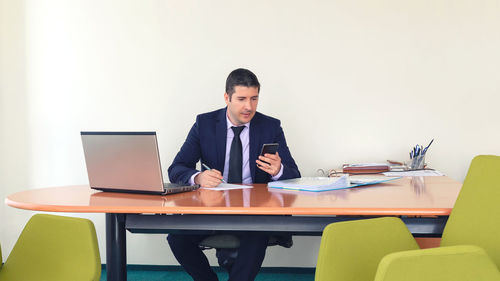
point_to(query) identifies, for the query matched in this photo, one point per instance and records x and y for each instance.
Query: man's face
(243, 104)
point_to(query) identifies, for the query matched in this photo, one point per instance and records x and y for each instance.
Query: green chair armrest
(352, 250)
(456, 263)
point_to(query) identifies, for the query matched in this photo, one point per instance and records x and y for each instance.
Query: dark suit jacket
(207, 142)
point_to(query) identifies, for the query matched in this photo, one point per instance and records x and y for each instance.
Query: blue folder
(318, 184)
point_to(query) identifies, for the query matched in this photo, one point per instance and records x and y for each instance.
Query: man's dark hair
(241, 77)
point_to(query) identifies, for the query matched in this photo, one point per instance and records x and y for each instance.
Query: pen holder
(417, 163)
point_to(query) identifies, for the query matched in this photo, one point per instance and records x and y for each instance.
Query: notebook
(126, 162)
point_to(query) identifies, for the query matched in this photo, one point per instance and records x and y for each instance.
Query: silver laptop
(126, 162)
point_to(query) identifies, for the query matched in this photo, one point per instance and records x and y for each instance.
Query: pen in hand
(208, 168)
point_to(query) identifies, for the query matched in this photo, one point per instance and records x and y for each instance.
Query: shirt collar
(229, 124)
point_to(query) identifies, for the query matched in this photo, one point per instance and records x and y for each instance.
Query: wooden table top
(405, 196)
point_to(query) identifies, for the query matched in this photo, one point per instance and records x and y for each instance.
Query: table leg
(116, 251)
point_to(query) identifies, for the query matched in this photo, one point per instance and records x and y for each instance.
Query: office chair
(54, 248)
(226, 246)
(352, 250)
(454, 263)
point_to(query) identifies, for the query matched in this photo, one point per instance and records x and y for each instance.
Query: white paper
(317, 184)
(228, 186)
(312, 183)
(418, 173)
(362, 179)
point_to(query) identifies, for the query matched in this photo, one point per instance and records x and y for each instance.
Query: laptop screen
(123, 161)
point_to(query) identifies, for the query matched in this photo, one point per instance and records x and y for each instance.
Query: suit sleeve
(184, 164)
(290, 169)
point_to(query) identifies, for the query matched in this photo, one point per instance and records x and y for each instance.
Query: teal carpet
(163, 273)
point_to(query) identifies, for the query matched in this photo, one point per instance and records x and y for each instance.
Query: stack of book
(365, 168)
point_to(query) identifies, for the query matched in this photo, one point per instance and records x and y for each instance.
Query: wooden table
(423, 203)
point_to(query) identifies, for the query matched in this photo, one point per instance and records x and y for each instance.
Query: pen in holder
(417, 157)
(417, 163)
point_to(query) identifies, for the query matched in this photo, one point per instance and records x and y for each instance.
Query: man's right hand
(208, 178)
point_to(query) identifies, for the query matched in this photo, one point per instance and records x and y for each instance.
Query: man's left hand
(273, 165)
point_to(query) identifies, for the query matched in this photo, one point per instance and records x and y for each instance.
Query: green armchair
(356, 250)
(453, 263)
(54, 248)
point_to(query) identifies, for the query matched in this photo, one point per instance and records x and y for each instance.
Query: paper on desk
(312, 183)
(418, 173)
(228, 186)
(367, 179)
(317, 184)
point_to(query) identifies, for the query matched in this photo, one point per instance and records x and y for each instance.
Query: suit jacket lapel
(254, 144)
(220, 138)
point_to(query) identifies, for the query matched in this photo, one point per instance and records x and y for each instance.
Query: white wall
(15, 166)
(351, 81)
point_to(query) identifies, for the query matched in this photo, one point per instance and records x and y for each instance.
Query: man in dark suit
(229, 141)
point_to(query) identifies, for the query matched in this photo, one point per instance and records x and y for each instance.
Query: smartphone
(270, 148)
